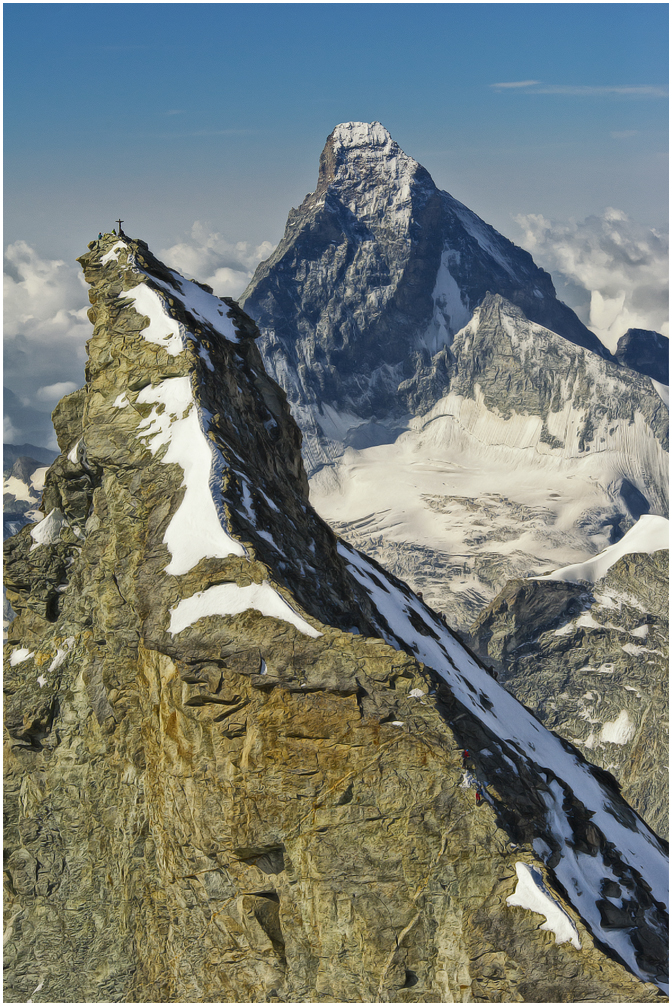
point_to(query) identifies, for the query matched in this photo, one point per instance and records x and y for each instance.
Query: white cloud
(610, 269)
(10, 434)
(585, 90)
(54, 392)
(46, 328)
(208, 257)
(516, 83)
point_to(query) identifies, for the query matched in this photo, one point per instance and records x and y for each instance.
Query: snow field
(531, 893)
(650, 534)
(230, 599)
(48, 530)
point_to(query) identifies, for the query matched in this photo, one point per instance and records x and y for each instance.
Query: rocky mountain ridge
(235, 764)
(425, 358)
(587, 649)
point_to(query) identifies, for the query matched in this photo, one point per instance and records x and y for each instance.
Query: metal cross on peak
(120, 222)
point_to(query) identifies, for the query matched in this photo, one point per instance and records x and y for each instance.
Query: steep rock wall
(221, 783)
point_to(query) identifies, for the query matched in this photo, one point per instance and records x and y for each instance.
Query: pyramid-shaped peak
(361, 154)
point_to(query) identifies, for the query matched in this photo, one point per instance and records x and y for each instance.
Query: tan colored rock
(255, 808)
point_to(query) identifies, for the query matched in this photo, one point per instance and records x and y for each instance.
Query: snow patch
(121, 401)
(162, 330)
(201, 305)
(38, 477)
(230, 599)
(18, 656)
(619, 731)
(450, 312)
(196, 530)
(531, 893)
(113, 254)
(74, 452)
(48, 531)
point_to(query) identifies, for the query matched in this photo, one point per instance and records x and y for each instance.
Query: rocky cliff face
(426, 359)
(592, 660)
(527, 452)
(234, 762)
(647, 352)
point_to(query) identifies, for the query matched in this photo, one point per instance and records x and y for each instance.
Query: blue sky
(222, 109)
(172, 114)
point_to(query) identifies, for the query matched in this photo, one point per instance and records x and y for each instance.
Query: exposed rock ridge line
(234, 767)
(413, 339)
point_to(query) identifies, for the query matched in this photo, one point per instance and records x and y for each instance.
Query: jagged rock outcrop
(645, 351)
(592, 660)
(460, 424)
(234, 762)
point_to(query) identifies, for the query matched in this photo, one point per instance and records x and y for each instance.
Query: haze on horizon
(202, 125)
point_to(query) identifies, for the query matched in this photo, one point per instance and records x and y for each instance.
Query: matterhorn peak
(362, 134)
(362, 155)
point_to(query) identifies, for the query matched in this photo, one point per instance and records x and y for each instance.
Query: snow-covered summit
(364, 169)
(363, 134)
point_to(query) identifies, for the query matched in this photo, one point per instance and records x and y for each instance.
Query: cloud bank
(46, 324)
(611, 270)
(46, 328)
(208, 257)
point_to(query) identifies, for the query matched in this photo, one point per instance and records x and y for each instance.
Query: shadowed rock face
(592, 661)
(460, 424)
(647, 352)
(352, 292)
(228, 775)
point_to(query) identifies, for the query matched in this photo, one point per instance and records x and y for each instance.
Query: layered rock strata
(234, 765)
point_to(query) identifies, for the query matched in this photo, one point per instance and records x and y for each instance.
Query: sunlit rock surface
(234, 762)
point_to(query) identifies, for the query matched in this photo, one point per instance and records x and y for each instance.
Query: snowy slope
(538, 456)
(405, 621)
(649, 534)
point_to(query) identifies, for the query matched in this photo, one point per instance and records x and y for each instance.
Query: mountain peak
(361, 134)
(358, 155)
(223, 665)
